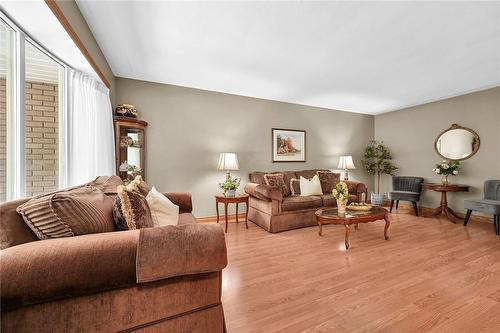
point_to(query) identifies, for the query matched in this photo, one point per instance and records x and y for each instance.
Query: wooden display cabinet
(130, 146)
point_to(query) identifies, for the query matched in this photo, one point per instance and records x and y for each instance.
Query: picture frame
(288, 145)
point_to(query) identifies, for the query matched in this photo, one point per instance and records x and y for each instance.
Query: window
(32, 114)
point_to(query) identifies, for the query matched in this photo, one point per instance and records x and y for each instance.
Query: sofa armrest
(356, 187)
(46, 270)
(264, 192)
(180, 250)
(181, 199)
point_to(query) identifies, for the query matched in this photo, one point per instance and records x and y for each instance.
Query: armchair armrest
(180, 250)
(356, 187)
(46, 270)
(181, 199)
(263, 192)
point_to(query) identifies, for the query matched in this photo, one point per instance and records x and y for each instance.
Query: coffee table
(332, 216)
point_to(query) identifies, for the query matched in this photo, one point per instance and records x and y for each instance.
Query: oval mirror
(457, 143)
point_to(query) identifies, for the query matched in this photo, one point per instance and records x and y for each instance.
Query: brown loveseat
(269, 209)
(165, 279)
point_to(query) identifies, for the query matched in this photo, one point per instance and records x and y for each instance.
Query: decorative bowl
(126, 110)
(363, 208)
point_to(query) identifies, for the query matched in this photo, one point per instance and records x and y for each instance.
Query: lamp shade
(228, 161)
(345, 162)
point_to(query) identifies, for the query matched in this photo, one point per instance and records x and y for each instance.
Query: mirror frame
(454, 127)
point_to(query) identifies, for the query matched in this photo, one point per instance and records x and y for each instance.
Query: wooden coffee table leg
(246, 214)
(236, 212)
(356, 226)
(225, 212)
(217, 209)
(347, 232)
(320, 228)
(386, 228)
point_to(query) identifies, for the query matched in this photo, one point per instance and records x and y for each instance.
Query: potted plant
(447, 168)
(230, 186)
(341, 194)
(377, 161)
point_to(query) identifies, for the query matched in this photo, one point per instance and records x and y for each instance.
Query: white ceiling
(367, 57)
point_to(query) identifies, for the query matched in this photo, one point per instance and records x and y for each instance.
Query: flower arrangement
(231, 185)
(447, 168)
(341, 193)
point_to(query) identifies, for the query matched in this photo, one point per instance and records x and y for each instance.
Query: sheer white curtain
(90, 138)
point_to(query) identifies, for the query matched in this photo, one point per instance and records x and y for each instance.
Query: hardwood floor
(430, 276)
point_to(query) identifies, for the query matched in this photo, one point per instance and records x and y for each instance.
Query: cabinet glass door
(131, 152)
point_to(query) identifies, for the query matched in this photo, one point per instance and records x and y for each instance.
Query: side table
(443, 208)
(239, 198)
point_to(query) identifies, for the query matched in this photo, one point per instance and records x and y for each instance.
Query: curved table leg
(433, 212)
(347, 232)
(236, 212)
(356, 226)
(246, 215)
(217, 209)
(320, 232)
(387, 225)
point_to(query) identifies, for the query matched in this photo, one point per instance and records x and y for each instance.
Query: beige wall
(188, 128)
(78, 23)
(411, 132)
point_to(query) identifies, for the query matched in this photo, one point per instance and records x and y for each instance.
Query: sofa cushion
(295, 186)
(329, 200)
(131, 210)
(310, 187)
(297, 202)
(277, 180)
(76, 211)
(308, 174)
(13, 229)
(186, 218)
(483, 205)
(328, 180)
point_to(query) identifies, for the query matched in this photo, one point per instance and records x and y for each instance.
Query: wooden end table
(443, 208)
(332, 216)
(239, 198)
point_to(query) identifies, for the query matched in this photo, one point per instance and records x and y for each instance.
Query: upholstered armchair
(490, 204)
(406, 188)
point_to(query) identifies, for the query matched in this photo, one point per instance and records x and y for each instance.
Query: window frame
(16, 114)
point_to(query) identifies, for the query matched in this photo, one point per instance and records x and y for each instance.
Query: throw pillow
(163, 211)
(131, 210)
(70, 212)
(310, 187)
(328, 180)
(277, 180)
(295, 186)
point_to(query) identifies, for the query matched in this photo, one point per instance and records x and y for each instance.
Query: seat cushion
(483, 205)
(297, 202)
(404, 195)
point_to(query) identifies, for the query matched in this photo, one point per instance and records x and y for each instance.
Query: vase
(341, 205)
(444, 180)
(231, 193)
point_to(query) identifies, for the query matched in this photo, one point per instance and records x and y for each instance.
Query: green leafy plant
(230, 184)
(377, 161)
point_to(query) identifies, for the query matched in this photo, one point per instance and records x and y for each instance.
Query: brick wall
(41, 138)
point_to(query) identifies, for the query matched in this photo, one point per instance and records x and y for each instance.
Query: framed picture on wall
(289, 145)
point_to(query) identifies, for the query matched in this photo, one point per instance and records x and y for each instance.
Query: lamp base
(346, 174)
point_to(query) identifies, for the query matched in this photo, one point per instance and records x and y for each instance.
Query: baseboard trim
(407, 209)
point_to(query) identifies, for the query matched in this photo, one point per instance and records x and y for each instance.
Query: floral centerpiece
(447, 168)
(230, 186)
(341, 194)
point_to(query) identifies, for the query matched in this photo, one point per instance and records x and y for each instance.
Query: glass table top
(334, 212)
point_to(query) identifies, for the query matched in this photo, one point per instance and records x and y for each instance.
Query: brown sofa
(165, 279)
(275, 213)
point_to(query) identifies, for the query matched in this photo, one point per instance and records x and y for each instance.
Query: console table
(443, 208)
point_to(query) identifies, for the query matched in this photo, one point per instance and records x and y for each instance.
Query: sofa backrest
(258, 176)
(13, 230)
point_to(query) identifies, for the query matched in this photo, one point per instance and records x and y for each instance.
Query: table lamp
(346, 163)
(227, 162)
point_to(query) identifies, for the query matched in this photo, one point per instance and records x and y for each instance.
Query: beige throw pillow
(163, 211)
(310, 187)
